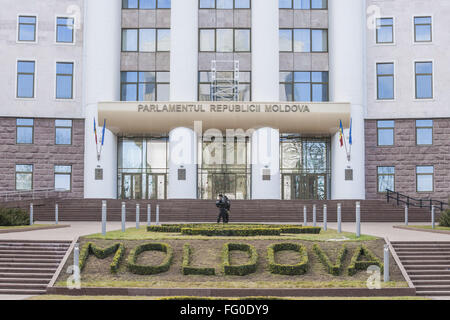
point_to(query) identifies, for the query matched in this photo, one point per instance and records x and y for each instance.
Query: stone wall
(405, 155)
(43, 154)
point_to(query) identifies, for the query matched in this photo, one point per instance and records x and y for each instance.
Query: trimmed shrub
(165, 228)
(231, 232)
(91, 248)
(444, 220)
(10, 217)
(135, 268)
(298, 269)
(356, 264)
(239, 270)
(298, 230)
(186, 268)
(334, 269)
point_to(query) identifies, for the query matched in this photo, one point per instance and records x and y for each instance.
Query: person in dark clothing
(223, 205)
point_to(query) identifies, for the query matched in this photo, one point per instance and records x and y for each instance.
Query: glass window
(386, 179)
(64, 29)
(385, 130)
(24, 131)
(422, 29)
(25, 79)
(129, 40)
(146, 4)
(242, 40)
(164, 4)
(24, 177)
(130, 154)
(302, 40)
(163, 39)
(424, 178)
(207, 4)
(147, 40)
(318, 4)
(224, 4)
(385, 81)
(319, 40)
(206, 87)
(242, 4)
(63, 132)
(63, 178)
(285, 4)
(145, 86)
(224, 40)
(207, 40)
(303, 4)
(424, 80)
(27, 28)
(130, 4)
(385, 30)
(304, 86)
(424, 132)
(64, 80)
(285, 36)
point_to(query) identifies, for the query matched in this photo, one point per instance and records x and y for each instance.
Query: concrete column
(182, 156)
(347, 29)
(101, 82)
(266, 159)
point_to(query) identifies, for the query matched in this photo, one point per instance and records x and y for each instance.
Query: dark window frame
(381, 26)
(425, 174)
(62, 173)
(65, 25)
(293, 82)
(26, 73)
(138, 40)
(157, 7)
(64, 127)
(424, 127)
(385, 129)
(424, 74)
(234, 6)
(384, 175)
(385, 76)
(25, 126)
(138, 83)
(423, 24)
(24, 172)
(310, 6)
(199, 83)
(27, 24)
(234, 40)
(310, 40)
(65, 75)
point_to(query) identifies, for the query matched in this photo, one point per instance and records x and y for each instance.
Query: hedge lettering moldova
(356, 264)
(91, 248)
(239, 270)
(298, 269)
(11, 217)
(334, 269)
(135, 268)
(229, 232)
(186, 267)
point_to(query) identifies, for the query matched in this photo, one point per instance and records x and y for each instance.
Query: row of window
(225, 40)
(146, 40)
(386, 128)
(27, 29)
(26, 78)
(424, 179)
(304, 86)
(25, 131)
(24, 177)
(422, 30)
(303, 40)
(303, 4)
(423, 71)
(146, 4)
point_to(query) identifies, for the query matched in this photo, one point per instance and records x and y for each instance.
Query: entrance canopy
(138, 118)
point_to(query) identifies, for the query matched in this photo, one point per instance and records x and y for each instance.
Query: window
(303, 40)
(63, 178)
(24, 131)
(224, 4)
(385, 81)
(25, 79)
(225, 40)
(424, 132)
(304, 86)
(424, 80)
(146, 4)
(424, 178)
(64, 29)
(385, 30)
(206, 86)
(64, 80)
(303, 4)
(24, 177)
(385, 132)
(145, 40)
(63, 132)
(27, 29)
(422, 29)
(386, 179)
(145, 86)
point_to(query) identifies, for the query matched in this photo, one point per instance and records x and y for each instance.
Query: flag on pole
(341, 133)
(350, 138)
(95, 132)
(103, 133)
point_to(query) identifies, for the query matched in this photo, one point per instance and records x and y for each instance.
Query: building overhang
(140, 118)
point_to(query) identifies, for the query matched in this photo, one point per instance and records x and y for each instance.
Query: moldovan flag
(341, 133)
(350, 141)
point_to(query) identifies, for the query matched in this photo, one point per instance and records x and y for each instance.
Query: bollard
(325, 218)
(406, 215)
(314, 216)
(31, 214)
(157, 214)
(137, 215)
(124, 217)
(103, 217)
(76, 262)
(149, 215)
(358, 219)
(386, 263)
(56, 213)
(433, 222)
(305, 217)
(339, 218)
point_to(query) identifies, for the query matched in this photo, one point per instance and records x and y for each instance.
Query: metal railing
(413, 202)
(34, 194)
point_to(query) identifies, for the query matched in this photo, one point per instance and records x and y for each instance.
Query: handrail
(33, 194)
(410, 201)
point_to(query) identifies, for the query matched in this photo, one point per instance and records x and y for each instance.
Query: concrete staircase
(26, 267)
(427, 264)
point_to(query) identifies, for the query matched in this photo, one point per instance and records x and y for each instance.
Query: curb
(34, 228)
(422, 230)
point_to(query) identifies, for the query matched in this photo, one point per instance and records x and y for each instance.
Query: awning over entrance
(131, 118)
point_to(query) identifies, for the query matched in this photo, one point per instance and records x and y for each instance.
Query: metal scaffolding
(224, 80)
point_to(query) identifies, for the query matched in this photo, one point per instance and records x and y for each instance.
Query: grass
(26, 227)
(142, 234)
(428, 227)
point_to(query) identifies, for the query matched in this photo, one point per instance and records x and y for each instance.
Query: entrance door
(131, 186)
(224, 184)
(156, 186)
(304, 187)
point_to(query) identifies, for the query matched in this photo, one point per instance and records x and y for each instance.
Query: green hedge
(237, 232)
(91, 248)
(356, 264)
(334, 269)
(239, 270)
(135, 268)
(297, 230)
(444, 220)
(165, 228)
(300, 268)
(10, 217)
(186, 267)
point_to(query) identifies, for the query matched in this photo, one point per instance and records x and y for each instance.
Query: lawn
(428, 227)
(34, 226)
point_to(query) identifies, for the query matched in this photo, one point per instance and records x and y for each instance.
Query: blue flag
(103, 134)
(350, 139)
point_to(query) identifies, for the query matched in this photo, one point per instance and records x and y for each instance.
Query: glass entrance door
(304, 187)
(156, 186)
(131, 186)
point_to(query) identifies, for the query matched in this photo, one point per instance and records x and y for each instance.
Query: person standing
(222, 205)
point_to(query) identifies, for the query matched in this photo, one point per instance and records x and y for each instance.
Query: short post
(314, 216)
(104, 217)
(386, 263)
(433, 222)
(124, 218)
(31, 214)
(157, 214)
(56, 213)
(358, 219)
(149, 215)
(138, 209)
(305, 217)
(406, 215)
(76, 262)
(325, 218)
(339, 218)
